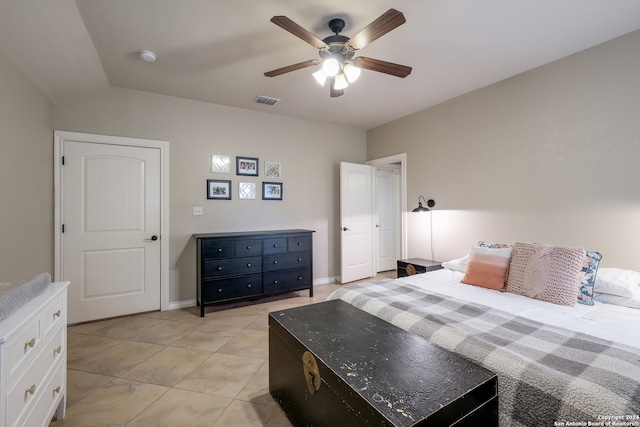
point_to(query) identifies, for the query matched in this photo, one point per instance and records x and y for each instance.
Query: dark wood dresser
(234, 266)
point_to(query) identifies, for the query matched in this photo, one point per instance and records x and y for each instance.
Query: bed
(556, 365)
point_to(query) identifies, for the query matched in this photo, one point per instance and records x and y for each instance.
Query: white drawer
(50, 398)
(25, 343)
(31, 385)
(53, 315)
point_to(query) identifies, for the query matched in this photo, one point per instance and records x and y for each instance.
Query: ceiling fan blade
(386, 22)
(293, 67)
(295, 29)
(334, 92)
(383, 66)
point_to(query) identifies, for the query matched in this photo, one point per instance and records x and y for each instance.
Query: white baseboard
(175, 305)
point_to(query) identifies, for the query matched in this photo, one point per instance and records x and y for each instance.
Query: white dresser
(33, 360)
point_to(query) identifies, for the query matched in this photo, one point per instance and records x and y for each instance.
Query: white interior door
(387, 213)
(111, 236)
(357, 225)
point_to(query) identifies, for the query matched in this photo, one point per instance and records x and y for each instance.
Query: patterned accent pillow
(487, 267)
(547, 273)
(588, 277)
(483, 244)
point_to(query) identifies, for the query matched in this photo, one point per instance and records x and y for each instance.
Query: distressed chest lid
(401, 375)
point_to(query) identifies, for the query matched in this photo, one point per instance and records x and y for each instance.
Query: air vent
(266, 100)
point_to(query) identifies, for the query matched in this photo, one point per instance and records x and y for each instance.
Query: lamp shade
(320, 76)
(430, 203)
(341, 82)
(331, 67)
(352, 72)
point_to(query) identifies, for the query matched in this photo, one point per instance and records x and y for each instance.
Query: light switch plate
(197, 210)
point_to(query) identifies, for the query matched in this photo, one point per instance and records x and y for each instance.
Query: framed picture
(247, 190)
(271, 191)
(272, 170)
(247, 166)
(219, 189)
(220, 164)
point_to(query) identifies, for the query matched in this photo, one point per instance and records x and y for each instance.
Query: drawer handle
(219, 291)
(275, 282)
(31, 343)
(249, 285)
(275, 246)
(299, 277)
(57, 389)
(248, 248)
(58, 313)
(275, 262)
(220, 268)
(248, 264)
(32, 389)
(58, 349)
(219, 249)
(299, 243)
(299, 259)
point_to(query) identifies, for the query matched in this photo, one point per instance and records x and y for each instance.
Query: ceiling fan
(337, 52)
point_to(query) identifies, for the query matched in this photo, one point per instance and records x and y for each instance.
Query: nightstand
(411, 266)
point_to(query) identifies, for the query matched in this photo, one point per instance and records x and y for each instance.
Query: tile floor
(175, 368)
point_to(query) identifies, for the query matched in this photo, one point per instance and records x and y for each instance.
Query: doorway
(110, 218)
(358, 214)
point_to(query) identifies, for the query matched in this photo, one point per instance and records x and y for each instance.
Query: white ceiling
(217, 51)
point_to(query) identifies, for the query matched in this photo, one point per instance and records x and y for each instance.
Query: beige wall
(548, 156)
(309, 153)
(26, 177)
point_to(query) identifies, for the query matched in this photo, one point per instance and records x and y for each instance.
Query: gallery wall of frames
(245, 187)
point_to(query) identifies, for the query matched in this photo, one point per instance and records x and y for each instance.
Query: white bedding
(607, 321)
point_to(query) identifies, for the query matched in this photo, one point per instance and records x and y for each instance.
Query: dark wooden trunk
(372, 373)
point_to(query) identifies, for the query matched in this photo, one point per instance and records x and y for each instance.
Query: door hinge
(62, 160)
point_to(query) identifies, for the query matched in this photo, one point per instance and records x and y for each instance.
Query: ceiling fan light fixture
(320, 76)
(340, 82)
(331, 66)
(352, 72)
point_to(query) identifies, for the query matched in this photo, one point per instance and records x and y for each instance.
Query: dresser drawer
(248, 247)
(282, 281)
(286, 261)
(299, 243)
(20, 347)
(50, 398)
(31, 385)
(218, 248)
(236, 287)
(234, 266)
(275, 246)
(52, 316)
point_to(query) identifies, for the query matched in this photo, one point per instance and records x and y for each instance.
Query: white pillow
(459, 264)
(633, 302)
(616, 281)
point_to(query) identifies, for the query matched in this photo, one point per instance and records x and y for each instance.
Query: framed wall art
(247, 166)
(218, 189)
(220, 164)
(271, 191)
(272, 170)
(247, 190)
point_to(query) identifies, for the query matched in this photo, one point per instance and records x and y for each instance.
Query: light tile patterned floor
(175, 368)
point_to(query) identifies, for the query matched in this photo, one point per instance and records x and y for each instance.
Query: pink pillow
(547, 273)
(487, 267)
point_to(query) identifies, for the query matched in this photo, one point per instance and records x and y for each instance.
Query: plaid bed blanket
(547, 376)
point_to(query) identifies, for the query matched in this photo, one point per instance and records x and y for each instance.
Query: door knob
(345, 229)
(153, 238)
